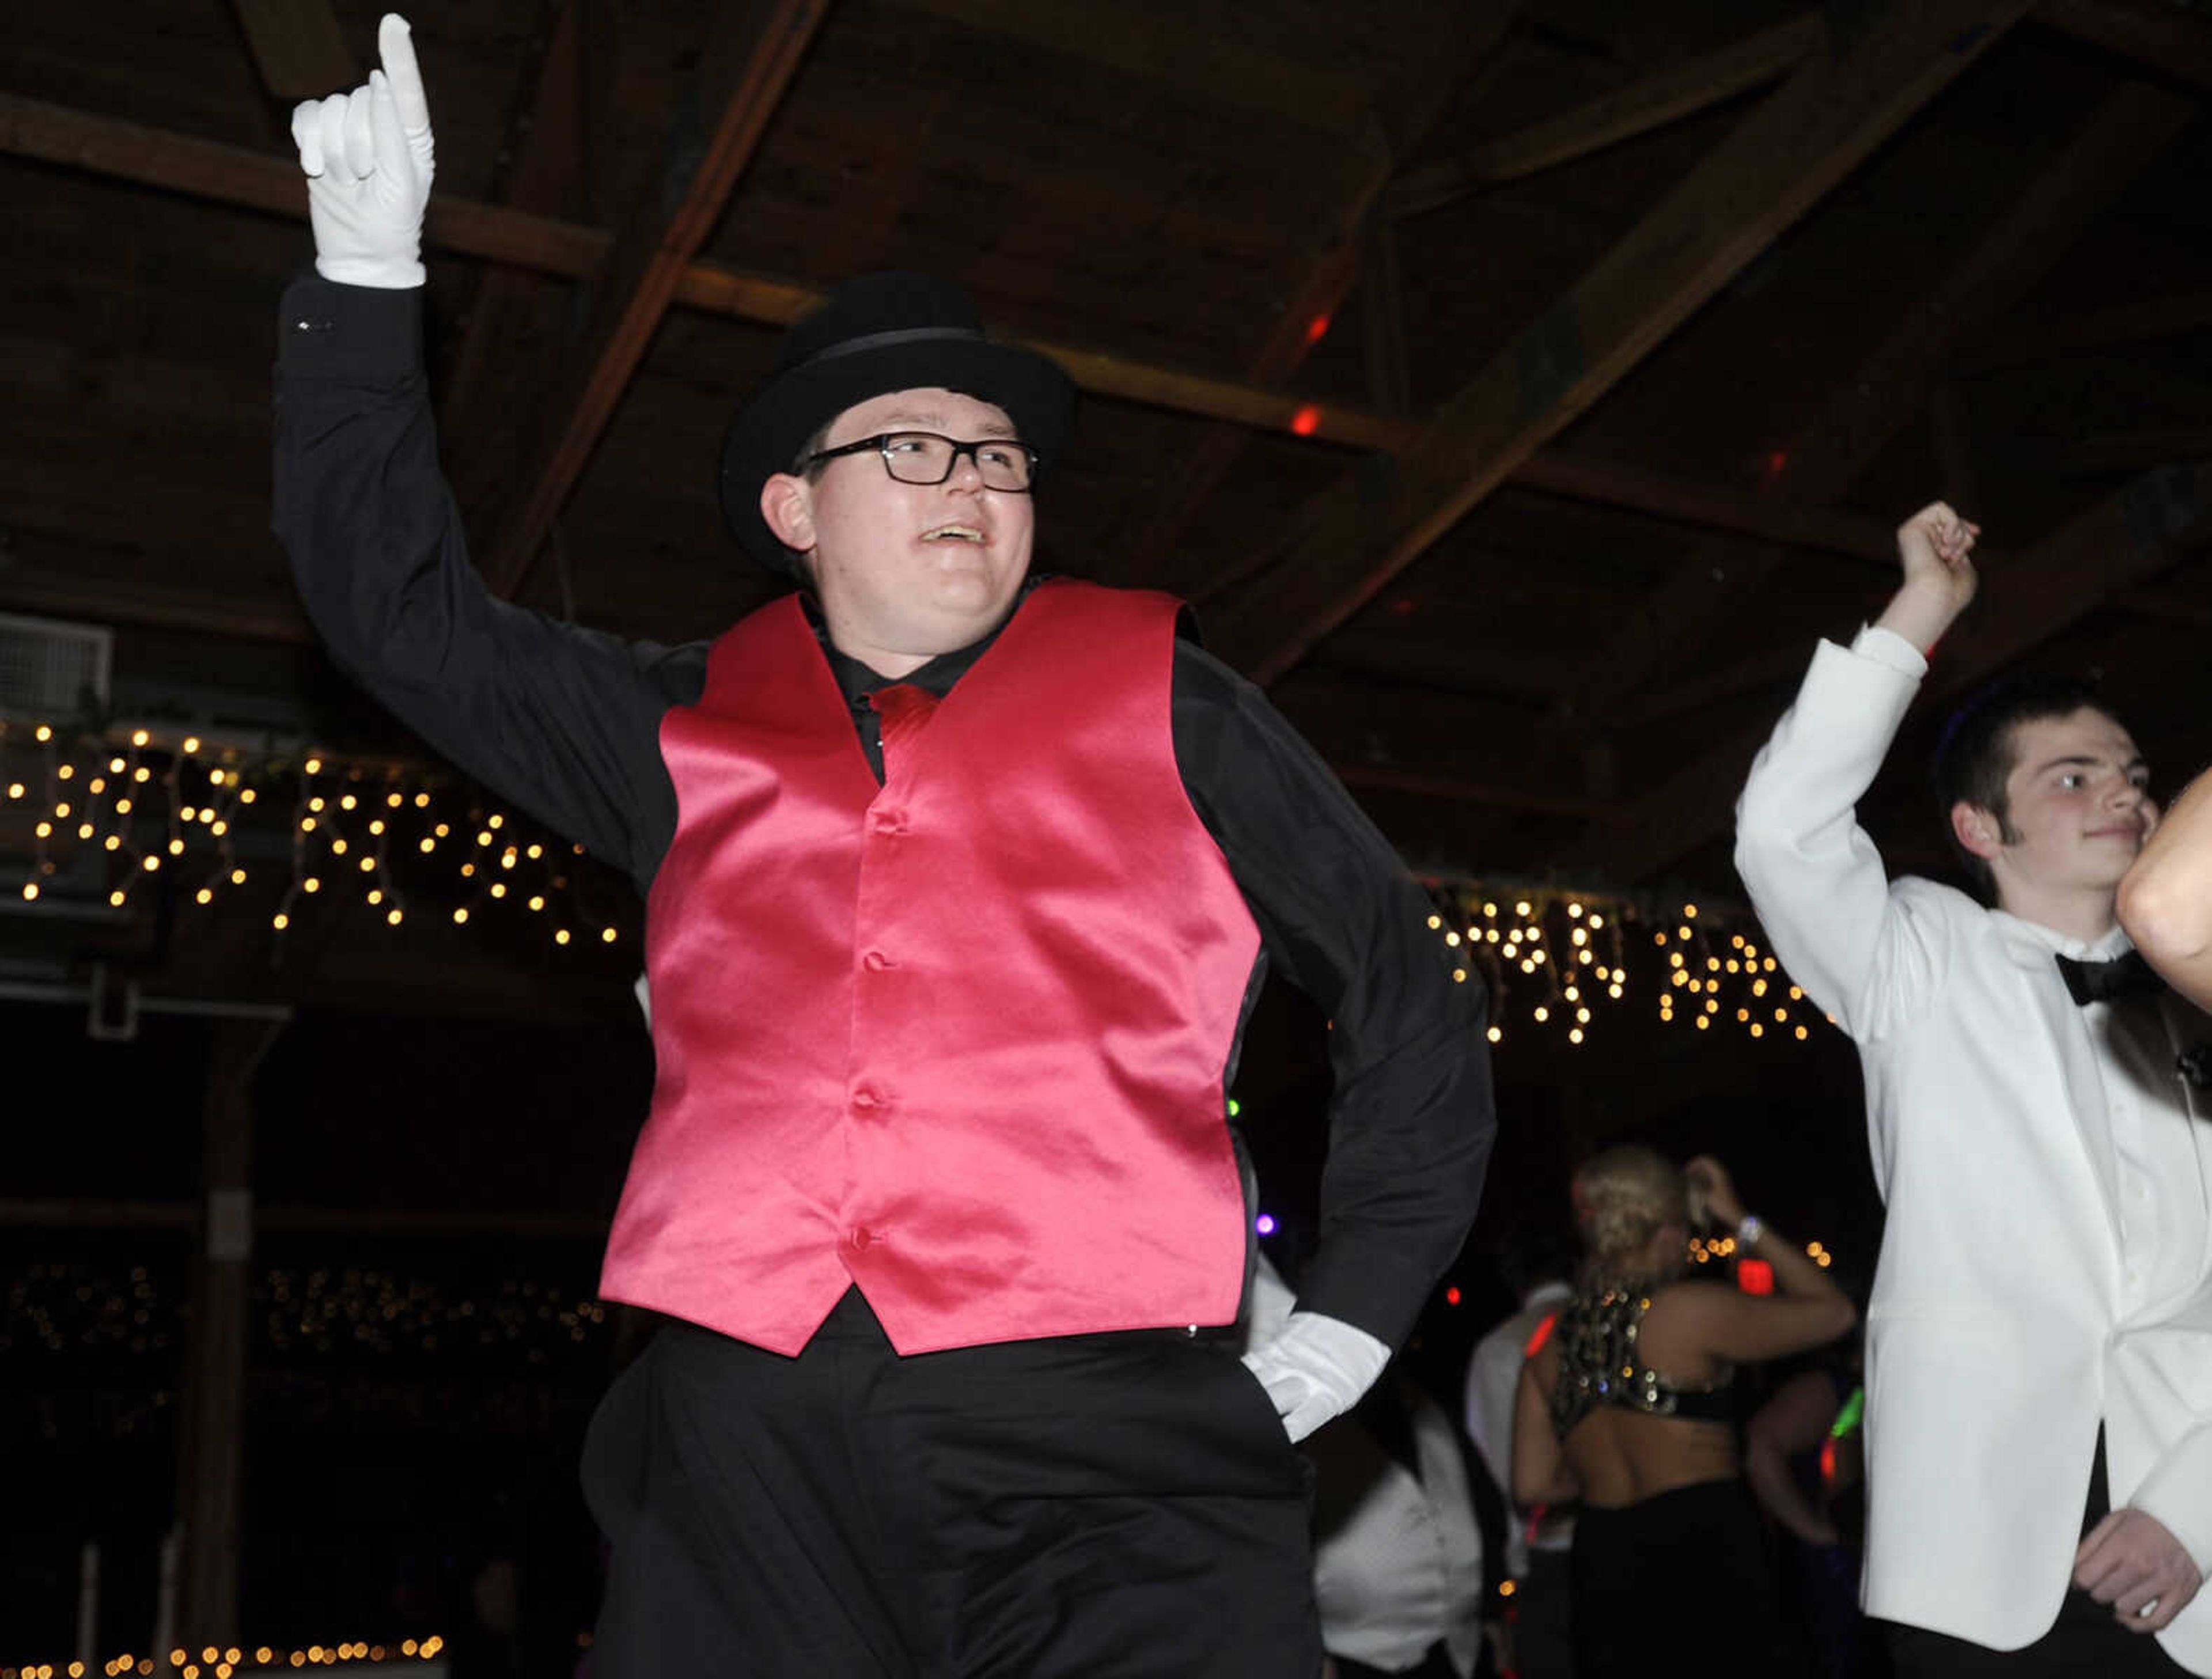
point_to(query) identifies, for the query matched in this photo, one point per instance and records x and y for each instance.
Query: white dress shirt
(2046, 1264)
(1493, 1383)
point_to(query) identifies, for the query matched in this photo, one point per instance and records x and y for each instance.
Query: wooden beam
(751, 58)
(1664, 97)
(1824, 121)
(2026, 600)
(249, 180)
(2155, 33)
(156, 605)
(1580, 477)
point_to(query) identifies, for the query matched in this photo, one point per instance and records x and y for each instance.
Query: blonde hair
(1623, 1198)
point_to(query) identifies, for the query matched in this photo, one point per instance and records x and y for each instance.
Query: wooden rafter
(2036, 342)
(2122, 542)
(751, 58)
(1830, 114)
(1666, 96)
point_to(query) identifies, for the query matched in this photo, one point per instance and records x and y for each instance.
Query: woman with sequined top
(1625, 1410)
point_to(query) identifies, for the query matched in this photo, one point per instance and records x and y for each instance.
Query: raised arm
(1805, 1310)
(561, 720)
(1814, 877)
(2166, 901)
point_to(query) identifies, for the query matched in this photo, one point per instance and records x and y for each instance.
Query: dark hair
(1974, 758)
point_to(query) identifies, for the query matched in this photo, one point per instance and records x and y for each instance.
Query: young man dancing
(2040, 1337)
(960, 885)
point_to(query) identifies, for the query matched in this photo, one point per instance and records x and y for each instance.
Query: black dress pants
(1089, 1506)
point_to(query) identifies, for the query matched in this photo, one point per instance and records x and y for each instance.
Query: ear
(1978, 830)
(786, 506)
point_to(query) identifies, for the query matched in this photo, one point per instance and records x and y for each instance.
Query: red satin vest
(960, 1039)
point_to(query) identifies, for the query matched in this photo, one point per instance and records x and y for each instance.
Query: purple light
(1266, 1224)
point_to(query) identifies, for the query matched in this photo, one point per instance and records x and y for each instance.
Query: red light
(1541, 1334)
(1306, 421)
(1451, 1295)
(1778, 463)
(1828, 1462)
(1755, 1276)
(1316, 329)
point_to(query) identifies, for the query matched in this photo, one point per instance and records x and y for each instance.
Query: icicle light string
(1558, 960)
(370, 825)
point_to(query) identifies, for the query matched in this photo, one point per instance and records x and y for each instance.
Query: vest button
(875, 962)
(866, 1100)
(861, 1236)
(889, 822)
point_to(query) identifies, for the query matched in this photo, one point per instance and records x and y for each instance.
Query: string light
(192, 801)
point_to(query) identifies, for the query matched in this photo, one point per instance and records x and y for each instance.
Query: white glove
(368, 162)
(1315, 1368)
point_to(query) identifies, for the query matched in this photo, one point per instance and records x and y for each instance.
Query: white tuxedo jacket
(2009, 1315)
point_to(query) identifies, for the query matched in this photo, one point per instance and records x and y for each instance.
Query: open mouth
(952, 533)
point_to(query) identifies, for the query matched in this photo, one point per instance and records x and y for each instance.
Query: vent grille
(50, 669)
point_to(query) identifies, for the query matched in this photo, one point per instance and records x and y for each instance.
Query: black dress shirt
(564, 721)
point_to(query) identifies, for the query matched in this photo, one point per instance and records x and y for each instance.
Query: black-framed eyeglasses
(924, 456)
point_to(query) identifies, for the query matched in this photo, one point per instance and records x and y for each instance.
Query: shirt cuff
(1887, 647)
(355, 334)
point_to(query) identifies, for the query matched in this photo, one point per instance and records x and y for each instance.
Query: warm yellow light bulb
(607, 937)
(395, 917)
(560, 937)
(312, 884)
(1575, 1035)
(150, 863)
(30, 892)
(44, 732)
(1523, 907)
(1435, 922)
(1494, 1034)
(314, 766)
(1543, 1014)
(139, 736)
(205, 895)
(238, 877)
(191, 743)
(1597, 921)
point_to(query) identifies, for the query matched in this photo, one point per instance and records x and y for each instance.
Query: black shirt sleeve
(563, 721)
(1410, 1121)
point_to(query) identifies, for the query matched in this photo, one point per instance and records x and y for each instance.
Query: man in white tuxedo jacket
(2040, 1329)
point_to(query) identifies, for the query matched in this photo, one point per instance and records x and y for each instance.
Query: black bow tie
(2127, 975)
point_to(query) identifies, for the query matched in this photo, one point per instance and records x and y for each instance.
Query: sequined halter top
(1598, 1363)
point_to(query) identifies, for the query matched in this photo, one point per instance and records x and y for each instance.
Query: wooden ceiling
(1517, 389)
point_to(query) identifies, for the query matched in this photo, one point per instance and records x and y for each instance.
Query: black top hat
(878, 333)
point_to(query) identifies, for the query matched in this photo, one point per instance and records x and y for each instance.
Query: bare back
(1622, 1455)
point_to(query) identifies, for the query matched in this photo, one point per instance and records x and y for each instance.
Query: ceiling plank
(1831, 113)
(751, 58)
(1664, 97)
(2122, 542)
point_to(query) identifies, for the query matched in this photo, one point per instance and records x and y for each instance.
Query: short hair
(1974, 758)
(1623, 1198)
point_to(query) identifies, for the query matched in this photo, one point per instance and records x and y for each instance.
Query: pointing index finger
(395, 45)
